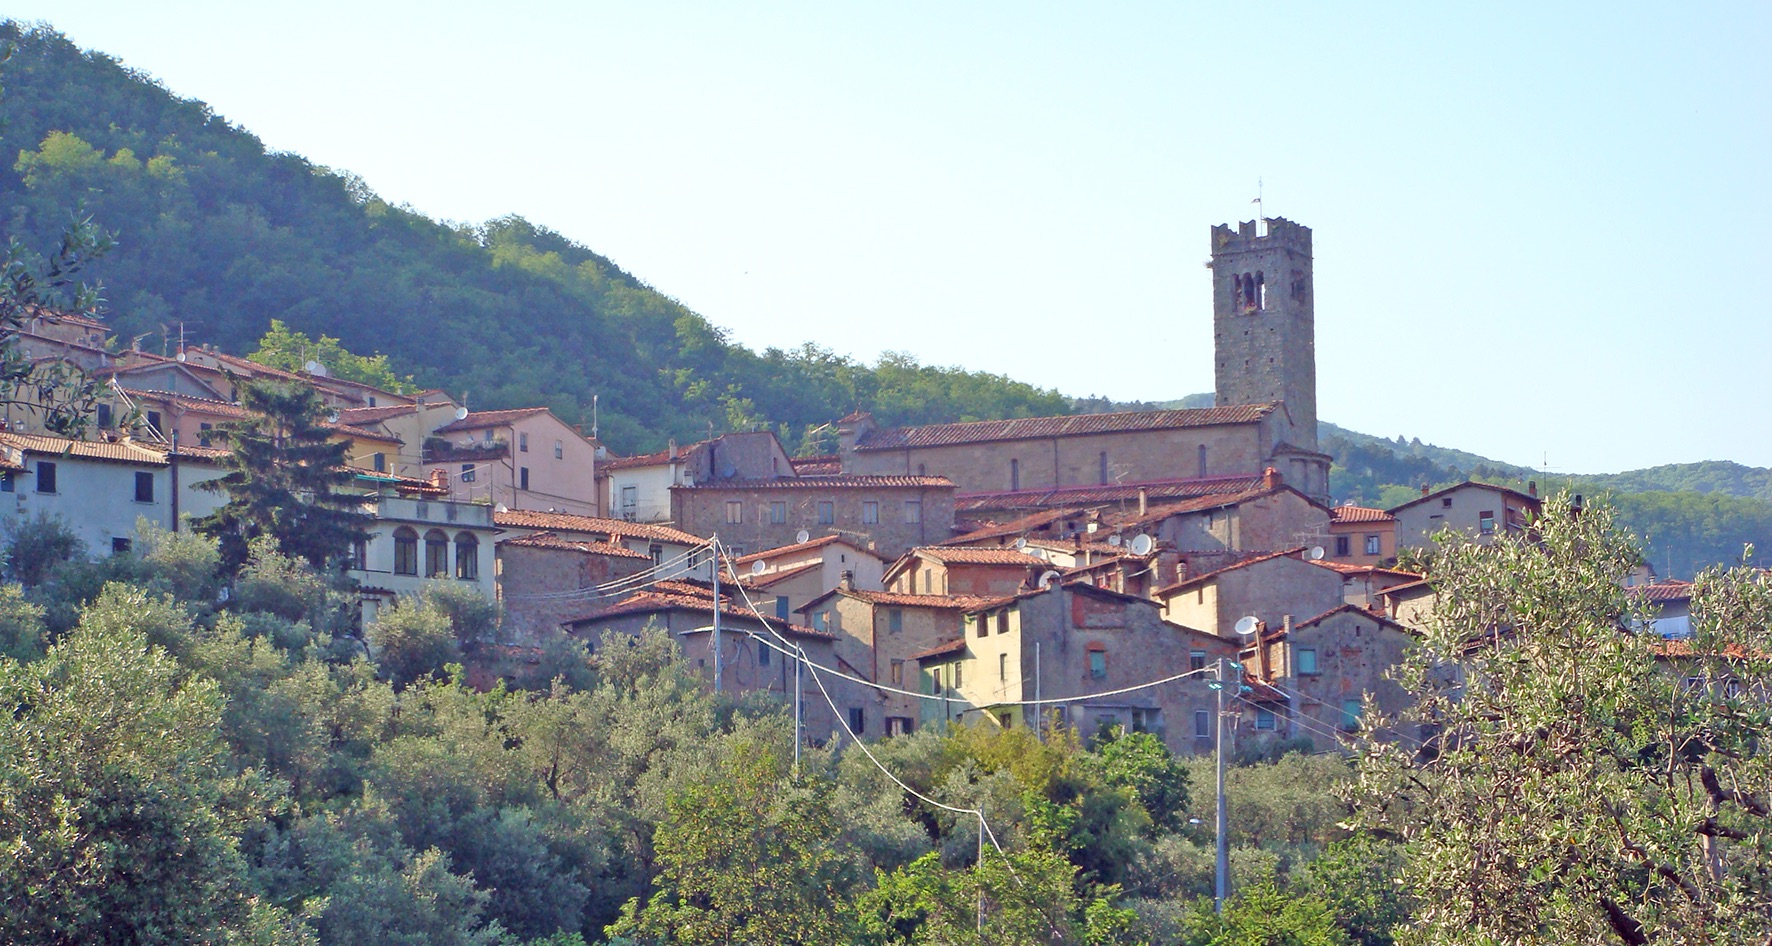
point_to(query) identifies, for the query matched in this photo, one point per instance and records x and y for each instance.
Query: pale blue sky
(1541, 230)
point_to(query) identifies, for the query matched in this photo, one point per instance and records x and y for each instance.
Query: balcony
(436, 511)
(442, 450)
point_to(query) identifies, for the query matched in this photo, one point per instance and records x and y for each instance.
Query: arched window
(1237, 288)
(1261, 291)
(436, 554)
(405, 551)
(467, 556)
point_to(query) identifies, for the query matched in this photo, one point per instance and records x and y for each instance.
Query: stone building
(893, 513)
(1264, 324)
(547, 579)
(1361, 536)
(959, 570)
(1327, 666)
(1270, 588)
(792, 575)
(1481, 510)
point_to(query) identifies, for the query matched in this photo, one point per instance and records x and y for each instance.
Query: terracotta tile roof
(1073, 545)
(1196, 504)
(548, 540)
(1040, 428)
(564, 522)
(1513, 493)
(652, 459)
(479, 419)
(1683, 648)
(1359, 514)
(944, 649)
(893, 599)
(779, 551)
(374, 415)
(1154, 491)
(828, 482)
(404, 484)
(1168, 590)
(1016, 527)
(1671, 590)
(243, 364)
(1354, 608)
(653, 601)
(1346, 568)
(828, 464)
(968, 555)
(122, 451)
(768, 579)
(190, 402)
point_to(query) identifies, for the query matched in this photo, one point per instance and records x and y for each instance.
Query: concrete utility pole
(714, 550)
(799, 708)
(1223, 865)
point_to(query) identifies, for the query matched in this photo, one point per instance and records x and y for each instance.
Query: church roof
(1041, 428)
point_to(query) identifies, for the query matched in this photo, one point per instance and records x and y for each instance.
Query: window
(1486, 522)
(6, 483)
(778, 512)
(120, 545)
(360, 554)
(45, 476)
(1196, 660)
(734, 512)
(436, 554)
(1202, 460)
(104, 415)
(1102, 462)
(657, 553)
(1002, 666)
(380, 462)
(144, 487)
(630, 497)
(827, 512)
(203, 434)
(1003, 621)
(559, 450)
(913, 510)
(1350, 715)
(856, 720)
(956, 674)
(371, 400)
(984, 627)
(928, 576)
(1306, 659)
(935, 680)
(523, 478)
(870, 512)
(154, 422)
(1372, 546)
(821, 620)
(522, 443)
(897, 673)
(899, 725)
(1264, 720)
(1015, 474)
(762, 654)
(895, 619)
(1202, 724)
(467, 473)
(1343, 546)
(1445, 502)
(405, 551)
(1098, 664)
(467, 556)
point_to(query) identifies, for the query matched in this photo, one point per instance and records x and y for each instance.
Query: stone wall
(703, 511)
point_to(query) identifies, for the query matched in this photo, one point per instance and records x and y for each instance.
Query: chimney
(1424, 489)
(1532, 488)
(846, 581)
(1144, 500)
(673, 453)
(1271, 478)
(439, 478)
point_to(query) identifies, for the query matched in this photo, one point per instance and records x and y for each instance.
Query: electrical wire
(677, 566)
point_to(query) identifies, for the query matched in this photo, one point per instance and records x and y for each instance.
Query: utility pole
(978, 869)
(799, 708)
(1223, 865)
(714, 550)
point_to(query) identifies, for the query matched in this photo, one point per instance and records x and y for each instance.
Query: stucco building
(1481, 510)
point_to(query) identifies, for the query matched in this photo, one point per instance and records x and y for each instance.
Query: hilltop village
(1008, 571)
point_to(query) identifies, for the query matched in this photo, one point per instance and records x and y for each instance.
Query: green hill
(221, 236)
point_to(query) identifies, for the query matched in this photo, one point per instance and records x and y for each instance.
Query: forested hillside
(218, 234)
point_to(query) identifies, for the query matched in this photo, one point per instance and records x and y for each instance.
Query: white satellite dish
(500, 508)
(332, 417)
(461, 413)
(1316, 553)
(1142, 544)
(1247, 625)
(758, 566)
(1021, 542)
(802, 537)
(1047, 578)
(315, 368)
(1115, 540)
(1037, 553)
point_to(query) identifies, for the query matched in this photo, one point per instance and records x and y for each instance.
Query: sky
(1537, 227)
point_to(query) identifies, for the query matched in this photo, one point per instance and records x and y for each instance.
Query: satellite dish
(332, 417)
(461, 413)
(1115, 540)
(802, 537)
(1247, 625)
(1316, 553)
(501, 507)
(758, 566)
(1037, 553)
(1047, 578)
(315, 368)
(1021, 542)
(1142, 544)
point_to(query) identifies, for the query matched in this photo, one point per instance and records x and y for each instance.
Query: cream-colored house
(517, 459)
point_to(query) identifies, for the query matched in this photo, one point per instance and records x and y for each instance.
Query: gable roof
(653, 601)
(1168, 590)
(1073, 496)
(943, 649)
(132, 452)
(1356, 609)
(1359, 514)
(566, 522)
(479, 419)
(374, 415)
(1351, 570)
(828, 464)
(1671, 590)
(894, 599)
(1469, 484)
(1041, 428)
(799, 547)
(1017, 526)
(768, 579)
(1210, 501)
(825, 482)
(548, 540)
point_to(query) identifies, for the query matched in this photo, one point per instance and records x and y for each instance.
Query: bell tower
(1264, 322)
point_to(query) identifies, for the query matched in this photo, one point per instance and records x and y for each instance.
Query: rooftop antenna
(593, 417)
(1260, 211)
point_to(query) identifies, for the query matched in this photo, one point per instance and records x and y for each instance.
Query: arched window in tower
(1237, 284)
(1261, 292)
(1014, 475)
(1248, 292)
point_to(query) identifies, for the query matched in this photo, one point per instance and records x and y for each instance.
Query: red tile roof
(1018, 526)
(944, 649)
(479, 419)
(893, 599)
(1154, 490)
(1359, 514)
(968, 555)
(1347, 568)
(828, 464)
(190, 402)
(1040, 428)
(779, 551)
(548, 540)
(1168, 590)
(122, 451)
(828, 482)
(651, 459)
(374, 415)
(564, 522)
(1197, 504)
(1355, 609)
(1512, 493)
(1671, 590)
(653, 601)
(768, 579)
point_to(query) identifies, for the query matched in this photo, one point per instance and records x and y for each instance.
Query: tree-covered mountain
(220, 236)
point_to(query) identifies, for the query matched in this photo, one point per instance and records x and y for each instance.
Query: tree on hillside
(282, 347)
(1582, 781)
(283, 480)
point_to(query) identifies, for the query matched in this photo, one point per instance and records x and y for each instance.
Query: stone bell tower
(1264, 323)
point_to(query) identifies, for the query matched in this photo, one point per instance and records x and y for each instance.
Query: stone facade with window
(895, 513)
(1327, 666)
(1481, 510)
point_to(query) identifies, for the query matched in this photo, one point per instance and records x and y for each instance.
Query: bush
(35, 546)
(21, 625)
(413, 640)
